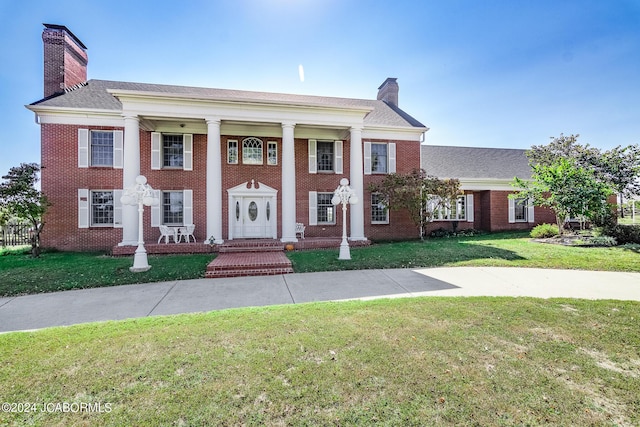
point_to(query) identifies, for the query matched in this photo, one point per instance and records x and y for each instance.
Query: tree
(618, 167)
(19, 196)
(567, 188)
(420, 194)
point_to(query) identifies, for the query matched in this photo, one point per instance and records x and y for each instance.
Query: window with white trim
(325, 156)
(232, 152)
(172, 208)
(379, 212)
(520, 209)
(379, 158)
(172, 151)
(326, 209)
(272, 153)
(448, 211)
(102, 208)
(252, 151)
(101, 148)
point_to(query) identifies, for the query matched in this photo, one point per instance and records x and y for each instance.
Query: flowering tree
(420, 194)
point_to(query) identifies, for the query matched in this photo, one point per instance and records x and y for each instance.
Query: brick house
(485, 176)
(236, 164)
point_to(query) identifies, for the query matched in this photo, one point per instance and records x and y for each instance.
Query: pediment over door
(251, 189)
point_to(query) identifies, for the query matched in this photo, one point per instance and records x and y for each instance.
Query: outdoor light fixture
(140, 194)
(345, 195)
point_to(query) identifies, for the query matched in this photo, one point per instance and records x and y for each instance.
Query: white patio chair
(300, 227)
(167, 232)
(187, 232)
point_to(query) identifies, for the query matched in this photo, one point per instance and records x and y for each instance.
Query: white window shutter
(512, 210)
(83, 208)
(156, 209)
(530, 211)
(313, 208)
(367, 158)
(187, 163)
(338, 163)
(187, 206)
(83, 148)
(118, 149)
(313, 156)
(469, 208)
(392, 157)
(117, 208)
(156, 151)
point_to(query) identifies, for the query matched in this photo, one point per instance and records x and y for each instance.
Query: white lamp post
(345, 195)
(140, 194)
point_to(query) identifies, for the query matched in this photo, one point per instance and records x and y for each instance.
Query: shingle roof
(94, 95)
(475, 163)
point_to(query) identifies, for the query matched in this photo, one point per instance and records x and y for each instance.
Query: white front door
(252, 212)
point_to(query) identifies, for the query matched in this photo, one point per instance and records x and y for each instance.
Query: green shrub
(543, 231)
(602, 241)
(624, 233)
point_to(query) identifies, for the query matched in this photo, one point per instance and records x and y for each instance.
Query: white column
(214, 182)
(288, 184)
(130, 170)
(357, 183)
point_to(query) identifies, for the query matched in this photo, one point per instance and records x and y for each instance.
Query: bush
(602, 241)
(544, 231)
(623, 233)
(443, 232)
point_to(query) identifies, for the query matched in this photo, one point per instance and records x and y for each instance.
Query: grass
(496, 250)
(58, 271)
(421, 361)
(54, 271)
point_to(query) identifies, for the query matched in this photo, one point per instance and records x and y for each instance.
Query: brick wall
(65, 63)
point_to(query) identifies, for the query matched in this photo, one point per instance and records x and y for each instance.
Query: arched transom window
(252, 151)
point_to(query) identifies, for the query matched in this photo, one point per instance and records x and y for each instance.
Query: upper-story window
(232, 152)
(325, 156)
(379, 158)
(101, 148)
(172, 151)
(252, 151)
(272, 153)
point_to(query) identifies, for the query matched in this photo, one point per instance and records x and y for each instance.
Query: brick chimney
(388, 91)
(65, 59)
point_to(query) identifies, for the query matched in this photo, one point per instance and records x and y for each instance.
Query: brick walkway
(234, 264)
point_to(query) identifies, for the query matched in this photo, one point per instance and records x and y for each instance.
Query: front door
(252, 212)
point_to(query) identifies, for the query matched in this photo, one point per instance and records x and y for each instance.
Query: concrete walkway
(187, 296)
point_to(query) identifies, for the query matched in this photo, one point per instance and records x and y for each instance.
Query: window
(450, 211)
(252, 151)
(379, 160)
(272, 153)
(232, 152)
(172, 151)
(172, 208)
(326, 210)
(101, 148)
(101, 208)
(379, 213)
(521, 206)
(325, 156)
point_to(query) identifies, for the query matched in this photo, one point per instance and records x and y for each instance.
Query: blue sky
(483, 73)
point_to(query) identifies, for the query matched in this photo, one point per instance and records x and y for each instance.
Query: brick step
(236, 264)
(250, 272)
(251, 246)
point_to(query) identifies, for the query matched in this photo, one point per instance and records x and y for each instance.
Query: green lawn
(497, 250)
(420, 361)
(53, 271)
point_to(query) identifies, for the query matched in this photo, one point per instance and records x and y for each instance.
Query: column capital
(212, 120)
(286, 125)
(130, 116)
(357, 128)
